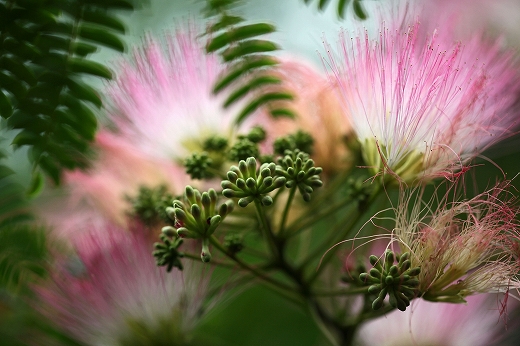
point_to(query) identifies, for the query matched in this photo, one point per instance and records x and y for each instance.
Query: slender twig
(352, 221)
(341, 292)
(286, 210)
(306, 222)
(268, 234)
(215, 242)
(196, 257)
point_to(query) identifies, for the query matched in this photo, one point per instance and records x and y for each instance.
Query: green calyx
(198, 216)
(397, 280)
(198, 166)
(298, 170)
(166, 252)
(248, 183)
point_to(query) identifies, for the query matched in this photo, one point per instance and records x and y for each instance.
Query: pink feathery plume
(318, 112)
(99, 195)
(112, 291)
(162, 98)
(423, 105)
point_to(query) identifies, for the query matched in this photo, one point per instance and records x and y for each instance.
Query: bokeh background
(256, 316)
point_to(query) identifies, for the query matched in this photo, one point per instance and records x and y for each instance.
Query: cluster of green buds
(298, 170)
(248, 183)
(149, 205)
(299, 140)
(167, 252)
(197, 217)
(397, 280)
(198, 166)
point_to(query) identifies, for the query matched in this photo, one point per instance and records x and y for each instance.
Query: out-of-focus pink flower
(99, 195)
(424, 323)
(462, 247)
(118, 172)
(113, 292)
(498, 17)
(162, 98)
(423, 106)
(319, 112)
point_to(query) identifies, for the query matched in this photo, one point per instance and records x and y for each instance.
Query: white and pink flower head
(462, 247)
(421, 104)
(113, 293)
(162, 98)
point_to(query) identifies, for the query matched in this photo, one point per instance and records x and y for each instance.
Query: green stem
(268, 234)
(214, 241)
(341, 292)
(213, 261)
(286, 210)
(333, 239)
(304, 223)
(335, 234)
(321, 325)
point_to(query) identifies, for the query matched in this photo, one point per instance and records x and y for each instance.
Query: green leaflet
(359, 11)
(254, 83)
(238, 34)
(43, 56)
(242, 68)
(260, 101)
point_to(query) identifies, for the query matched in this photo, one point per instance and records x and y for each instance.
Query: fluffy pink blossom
(462, 247)
(319, 112)
(475, 323)
(113, 292)
(162, 97)
(498, 17)
(424, 105)
(98, 195)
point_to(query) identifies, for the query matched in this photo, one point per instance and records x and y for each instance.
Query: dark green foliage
(22, 255)
(44, 47)
(359, 11)
(250, 70)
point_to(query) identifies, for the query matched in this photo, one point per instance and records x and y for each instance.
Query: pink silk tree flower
(319, 112)
(113, 293)
(475, 323)
(101, 192)
(499, 17)
(461, 247)
(162, 98)
(422, 105)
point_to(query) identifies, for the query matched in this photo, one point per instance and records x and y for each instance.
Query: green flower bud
(267, 200)
(169, 231)
(392, 279)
